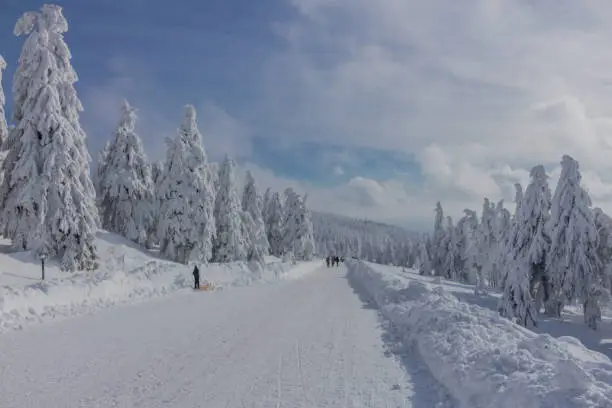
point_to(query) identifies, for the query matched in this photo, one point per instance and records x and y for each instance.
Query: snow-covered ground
(127, 274)
(306, 342)
(484, 360)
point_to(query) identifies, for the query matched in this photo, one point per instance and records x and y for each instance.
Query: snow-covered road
(307, 342)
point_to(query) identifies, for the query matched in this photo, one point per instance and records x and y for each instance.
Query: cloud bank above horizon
(375, 109)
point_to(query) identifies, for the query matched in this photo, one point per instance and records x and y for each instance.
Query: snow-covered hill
(482, 359)
(127, 274)
(364, 239)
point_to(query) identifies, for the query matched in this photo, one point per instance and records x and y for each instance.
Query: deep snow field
(127, 274)
(484, 360)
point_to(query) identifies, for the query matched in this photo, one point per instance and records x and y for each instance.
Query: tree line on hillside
(365, 239)
(552, 251)
(192, 209)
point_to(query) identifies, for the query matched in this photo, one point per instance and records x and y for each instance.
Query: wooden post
(42, 265)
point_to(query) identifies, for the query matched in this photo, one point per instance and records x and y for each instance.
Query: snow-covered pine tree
(535, 208)
(438, 250)
(575, 268)
(526, 277)
(265, 209)
(450, 242)
(471, 246)
(518, 197)
(274, 223)
(230, 243)
(125, 193)
(185, 197)
(424, 261)
(47, 197)
(298, 236)
(3, 125)
(603, 223)
(252, 204)
(504, 229)
(488, 245)
(157, 172)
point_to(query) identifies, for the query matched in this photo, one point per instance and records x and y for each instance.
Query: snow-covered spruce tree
(274, 225)
(265, 209)
(518, 197)
(185, 197)
(489, 244)
(526, 277)
(469, 245)
(423, 258)
(438, 250)
(535, 209)
(298, 237)
(124, 185)
(252, 203)
(230, 243)
(575, 268)
(450, 242)
(603, 223)
(3, 125)
(47, 197)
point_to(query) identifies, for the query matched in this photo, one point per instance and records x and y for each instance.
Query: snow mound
(483, 360)
(127, 274)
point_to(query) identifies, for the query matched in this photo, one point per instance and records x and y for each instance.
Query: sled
(206, 286)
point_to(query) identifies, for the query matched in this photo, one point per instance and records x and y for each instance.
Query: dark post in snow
(42, 265)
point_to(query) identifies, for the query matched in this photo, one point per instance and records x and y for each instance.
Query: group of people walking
(333, 261)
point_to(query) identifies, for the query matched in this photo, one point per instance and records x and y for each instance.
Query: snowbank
(127, 274)
(482, 359)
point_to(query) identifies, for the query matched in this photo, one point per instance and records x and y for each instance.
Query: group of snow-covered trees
(551, 251)
(194, 210)
(365, 239)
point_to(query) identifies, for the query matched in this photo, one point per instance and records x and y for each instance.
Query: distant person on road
(196, 277)
(327, 261)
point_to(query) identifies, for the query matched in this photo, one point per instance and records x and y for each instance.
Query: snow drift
(127, 275)
(483, 360)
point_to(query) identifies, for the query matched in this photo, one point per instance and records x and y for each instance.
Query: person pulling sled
(196, 277)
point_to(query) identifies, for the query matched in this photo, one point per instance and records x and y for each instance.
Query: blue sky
(375, 109)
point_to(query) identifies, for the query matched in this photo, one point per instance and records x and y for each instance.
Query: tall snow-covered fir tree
(450, 261)
(488, 244)
(575, 269)
(267, 198)
(469, 247)
(3, 125)
(47, 197)
(231, 242)
(518, 197)
(274, 224)
(603, 223)
(252, 203)
(124, 185)
(525, 277)
(438, 250)
(424, 263)
(297, 227)
(185, 197)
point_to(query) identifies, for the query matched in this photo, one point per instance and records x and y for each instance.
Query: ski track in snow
(309, 342)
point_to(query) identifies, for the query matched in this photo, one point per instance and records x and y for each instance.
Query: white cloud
(478, 90)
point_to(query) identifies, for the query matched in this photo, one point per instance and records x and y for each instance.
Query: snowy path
(308, 342)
